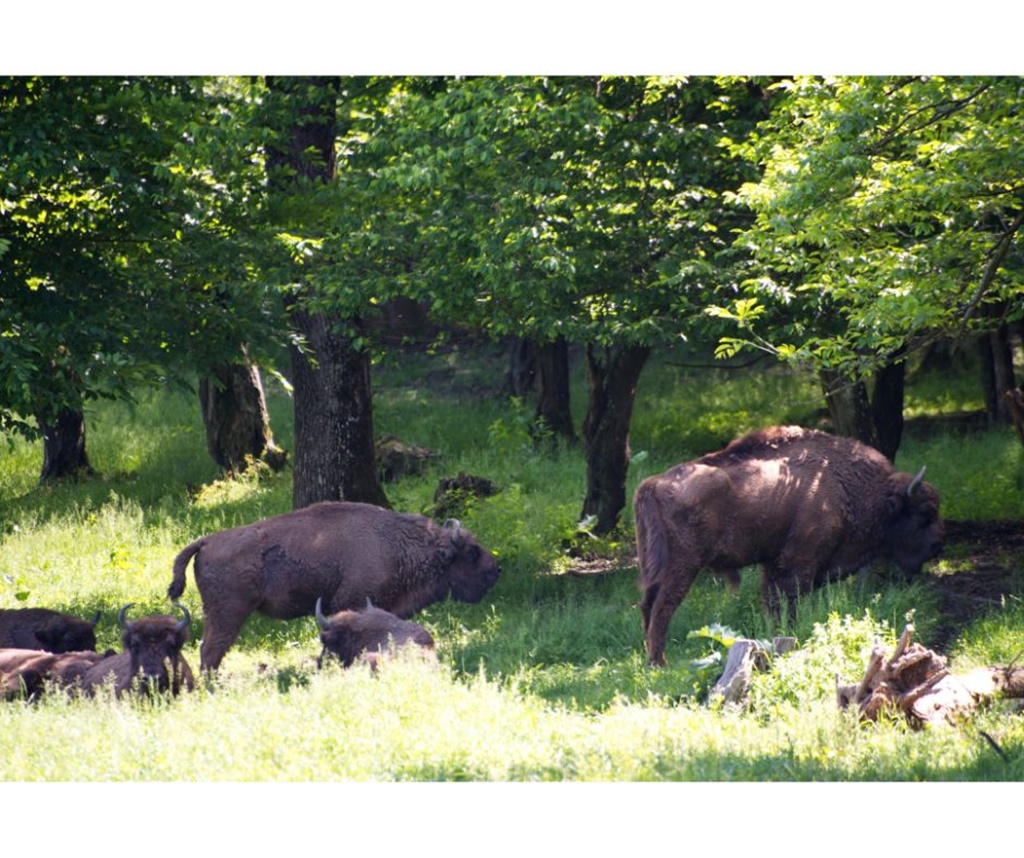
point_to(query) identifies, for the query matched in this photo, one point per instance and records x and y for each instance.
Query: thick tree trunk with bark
(612, 375)
(553, 404)
(997, 375)
(235, 414)
(522, 367)
(64, 452)
(334, 449)
(334, 455)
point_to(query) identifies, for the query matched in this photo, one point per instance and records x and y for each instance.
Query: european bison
(369, 633)
(24, 672)
(341, 551)
(150, 653)
(805, 505)
(44, 629)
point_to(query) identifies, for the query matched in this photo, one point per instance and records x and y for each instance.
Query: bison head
(472, 569)
(916, 531)
(152, 643)
(62, 633)
(368, 633)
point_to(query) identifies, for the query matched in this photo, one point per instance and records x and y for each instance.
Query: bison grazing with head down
(805, 505)
(343, 552)
(368, 633)
(42, 628)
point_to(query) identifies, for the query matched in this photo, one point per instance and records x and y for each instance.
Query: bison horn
(121, 621)
(455, 526)
(321, 620)
(914, 483)
(186, 620)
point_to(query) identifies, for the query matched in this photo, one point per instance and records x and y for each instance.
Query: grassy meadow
(545, 680)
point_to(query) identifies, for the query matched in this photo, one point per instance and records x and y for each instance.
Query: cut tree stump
(745, 656)
(915, 682)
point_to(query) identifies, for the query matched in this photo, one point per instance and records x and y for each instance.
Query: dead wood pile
(915, 682)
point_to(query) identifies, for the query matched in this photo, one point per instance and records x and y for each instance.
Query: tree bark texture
(553, 400)
(612, 375)
(849, 407)
(64, 452)
(334, 455)
(997, 373)
(235, 414)
(334, 449)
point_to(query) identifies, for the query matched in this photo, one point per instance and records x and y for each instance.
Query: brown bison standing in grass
(805, 505)
(369, 633)
(45, 629)
(341, 552)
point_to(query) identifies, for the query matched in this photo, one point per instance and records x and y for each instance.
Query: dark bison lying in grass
(805, 505)
(151, 657)
(45, 629)
(341, 552)
(370, 633)
(25, 672)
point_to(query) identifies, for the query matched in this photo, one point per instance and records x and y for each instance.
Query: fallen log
(914, 682)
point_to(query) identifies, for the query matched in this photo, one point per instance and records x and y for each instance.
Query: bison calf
(805, 505)
(45, 629)
(343, 552)
(370, 633)
(25, 672)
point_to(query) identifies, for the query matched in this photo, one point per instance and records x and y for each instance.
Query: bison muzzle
(807, 506)
(341, 551)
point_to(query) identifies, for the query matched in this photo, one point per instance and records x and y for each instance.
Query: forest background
(116, 370)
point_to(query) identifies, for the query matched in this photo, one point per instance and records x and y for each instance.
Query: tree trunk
(522, 367)
(235, 415)
(334, 450)
(553, 411)
(64, 446)
(849, 408)
(997, 373)
(887, 406)
(612, 374)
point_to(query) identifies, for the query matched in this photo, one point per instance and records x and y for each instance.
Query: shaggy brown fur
(805, 505)
(44, 629)
(151, 654)
(342, 552)
(352, 634)
(24, 672)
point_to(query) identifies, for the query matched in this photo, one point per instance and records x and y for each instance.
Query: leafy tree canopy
(126, 209)
(889, 212)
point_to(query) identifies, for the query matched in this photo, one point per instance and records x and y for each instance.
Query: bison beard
(807, 506)
(342, 552)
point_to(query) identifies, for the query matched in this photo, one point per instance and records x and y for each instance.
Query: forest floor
(987, 560)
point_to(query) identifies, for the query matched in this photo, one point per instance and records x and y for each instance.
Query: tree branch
(999, 253)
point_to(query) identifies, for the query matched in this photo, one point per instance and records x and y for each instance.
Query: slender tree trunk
(887, 401)
(522, 367)
(612, 375)
(237, 422)
(552, 361)
(64, 446)
(849, 407)
(334, 451)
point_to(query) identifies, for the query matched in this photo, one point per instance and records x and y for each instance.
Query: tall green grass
(546, 678)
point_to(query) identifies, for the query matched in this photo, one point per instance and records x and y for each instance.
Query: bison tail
(180, 562)
(651, 537)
